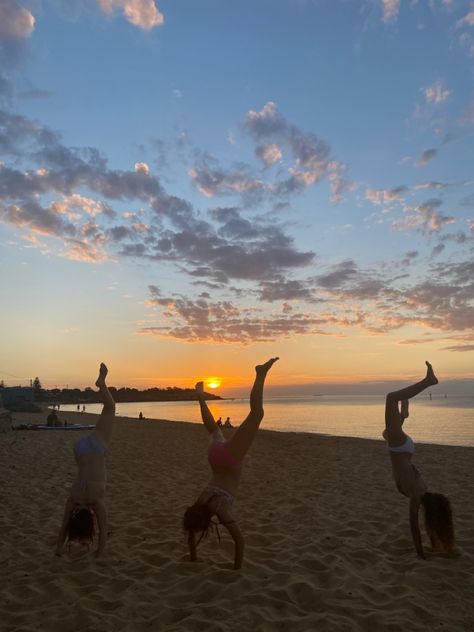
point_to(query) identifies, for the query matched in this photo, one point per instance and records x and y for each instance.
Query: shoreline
(88, 418)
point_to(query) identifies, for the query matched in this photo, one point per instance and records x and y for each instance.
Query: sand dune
(327, 538)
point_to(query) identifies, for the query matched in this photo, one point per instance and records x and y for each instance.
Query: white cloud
(142, 167)
(77, 202)
(436, 93)
(467, 20)
(16, 23)
(141, 13)
(270, 154)
(390, 10)
(381, 197)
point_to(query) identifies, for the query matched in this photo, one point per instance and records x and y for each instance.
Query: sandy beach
(328, 545)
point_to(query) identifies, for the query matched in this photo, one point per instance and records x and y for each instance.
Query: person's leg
(393, 418)
(243, 437)
(104, 426)
(404, 413)
(206, 415)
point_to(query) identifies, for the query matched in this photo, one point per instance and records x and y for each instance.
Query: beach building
(18, 397)
(5, 417)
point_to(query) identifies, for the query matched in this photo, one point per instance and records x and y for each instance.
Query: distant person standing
(83, 408)
(78, 408)
(219, 422)
(227, 423)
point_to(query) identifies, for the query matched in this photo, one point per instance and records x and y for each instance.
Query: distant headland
(20, 396)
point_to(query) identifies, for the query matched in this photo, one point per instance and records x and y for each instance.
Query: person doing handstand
(226, 459)
(86, 501)
(436, 507)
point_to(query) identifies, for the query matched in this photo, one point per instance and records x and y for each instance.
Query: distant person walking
(86, 499)
(436, 507)
(226, 459)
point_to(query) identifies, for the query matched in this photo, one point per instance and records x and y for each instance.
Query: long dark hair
(438, 520)
(198, 517)
(81, 525)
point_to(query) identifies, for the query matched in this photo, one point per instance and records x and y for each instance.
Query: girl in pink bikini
(225, 458)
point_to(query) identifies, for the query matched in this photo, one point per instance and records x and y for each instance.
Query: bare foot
(199, 387)
(430, 376)
(262, 369)
(103, 370)
(404, 410)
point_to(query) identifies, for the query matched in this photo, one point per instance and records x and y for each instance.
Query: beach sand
(328, 545)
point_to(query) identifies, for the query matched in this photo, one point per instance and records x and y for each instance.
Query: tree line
(124, 394)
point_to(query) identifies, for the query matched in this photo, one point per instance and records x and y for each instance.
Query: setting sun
(213, 384)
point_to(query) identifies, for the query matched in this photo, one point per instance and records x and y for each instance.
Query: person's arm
(415, 526)
(226, 519)
(192, 546)
(101, 515)
(63, 530)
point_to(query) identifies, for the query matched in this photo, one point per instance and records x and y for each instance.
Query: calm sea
(448, 421)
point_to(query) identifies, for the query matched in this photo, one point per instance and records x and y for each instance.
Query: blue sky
(231, 180)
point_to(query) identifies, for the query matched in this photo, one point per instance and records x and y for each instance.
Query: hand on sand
(199, 387)
(103, 370)
(264, 368)
(430, 374)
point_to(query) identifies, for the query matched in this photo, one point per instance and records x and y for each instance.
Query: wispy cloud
(380, 197)
(270, 154)
(424, 217)
(16, 22)
(467, 20)
(390, 9)
(426, 156)
(436, 93)
(311, 155)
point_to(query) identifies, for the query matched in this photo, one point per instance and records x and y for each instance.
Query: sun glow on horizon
(213, 383)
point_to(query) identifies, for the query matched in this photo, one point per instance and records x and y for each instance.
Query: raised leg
(243, 437)
(206, 415)
(404, 413)
(393, 417)
(105, 423)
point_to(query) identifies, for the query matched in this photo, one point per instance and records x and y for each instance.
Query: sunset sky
(188, 188)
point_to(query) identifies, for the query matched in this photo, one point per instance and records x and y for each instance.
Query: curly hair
(438, 520)
(198, 517)
(81, 525)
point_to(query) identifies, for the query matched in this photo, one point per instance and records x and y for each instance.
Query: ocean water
(448, 421)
